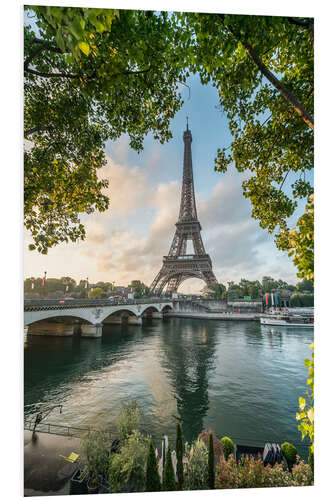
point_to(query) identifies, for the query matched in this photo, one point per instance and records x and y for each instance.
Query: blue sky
(129, 240)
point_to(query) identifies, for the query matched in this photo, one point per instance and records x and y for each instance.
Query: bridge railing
(75, 303)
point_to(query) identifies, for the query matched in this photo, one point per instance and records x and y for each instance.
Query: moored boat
(281, 318)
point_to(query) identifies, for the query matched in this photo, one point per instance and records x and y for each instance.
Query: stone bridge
(64, 317)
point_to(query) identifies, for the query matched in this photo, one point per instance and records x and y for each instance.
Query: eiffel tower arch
(177, 265)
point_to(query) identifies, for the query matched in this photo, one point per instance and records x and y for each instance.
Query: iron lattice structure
(177, 265)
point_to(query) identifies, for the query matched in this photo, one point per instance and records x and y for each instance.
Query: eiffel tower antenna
(177, 265)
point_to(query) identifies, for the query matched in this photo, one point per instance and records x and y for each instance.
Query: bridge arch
(57, 314)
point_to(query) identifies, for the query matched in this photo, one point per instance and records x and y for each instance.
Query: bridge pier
(134, 320)
(157, 315)
(48, 328)
(92, 331)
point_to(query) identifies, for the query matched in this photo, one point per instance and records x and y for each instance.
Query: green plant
(211, 464)
(306, 414)
(169, 480)
(127, 468)
(153, 482)
(302, 474)
(196, 466)
(290, 453)
(94, 449)
(228, 446)
(129, 419)
(179, 453)
(250, 473)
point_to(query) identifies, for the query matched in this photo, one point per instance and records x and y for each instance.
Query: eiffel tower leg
(173, 284)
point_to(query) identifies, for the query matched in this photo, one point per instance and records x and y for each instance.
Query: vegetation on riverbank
(206, 463)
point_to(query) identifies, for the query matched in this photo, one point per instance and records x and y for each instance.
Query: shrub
(211, 464)
(127, 468)
(302, 474)
(179, 454)
(196, 466)
(153, 482)
(228, 446)
(94, 449)
(129, 419)
(218, 447)
(169, 480)
(250, 473)
(290, 453)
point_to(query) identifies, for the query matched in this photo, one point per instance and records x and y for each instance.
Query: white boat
(280, 318)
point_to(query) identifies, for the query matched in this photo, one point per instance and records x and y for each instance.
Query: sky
(129, 240)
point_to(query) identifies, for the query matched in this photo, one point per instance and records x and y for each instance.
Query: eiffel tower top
(188, 211)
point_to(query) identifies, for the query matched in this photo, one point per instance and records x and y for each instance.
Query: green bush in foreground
(196, 466)
(179, 454)
(169, 480)
(127, 468)
(153, 482)
(228, 446)
(211, 464)
(290, 453)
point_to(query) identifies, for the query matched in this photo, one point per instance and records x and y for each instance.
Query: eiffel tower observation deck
(178, 266)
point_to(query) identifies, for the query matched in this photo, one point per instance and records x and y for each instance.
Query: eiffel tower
(177, 265)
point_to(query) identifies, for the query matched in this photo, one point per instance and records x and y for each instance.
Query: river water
(237, 377)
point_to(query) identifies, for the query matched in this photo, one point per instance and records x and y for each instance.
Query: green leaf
(84, 47)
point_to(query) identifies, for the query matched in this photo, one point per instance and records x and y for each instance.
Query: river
(237, 377)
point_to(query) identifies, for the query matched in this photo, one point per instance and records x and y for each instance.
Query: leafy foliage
(179, 454)
(196, 466)
(94, 448)
(129, 419)
(169, 480)
(252, 473)
(90, 75)
(127, 469)
(139, 288)
(260, 66)
(153, 482)
(299, 242)
(228, 446)
(306, 414)
(290, 453)
(95, 293)
(211, 464)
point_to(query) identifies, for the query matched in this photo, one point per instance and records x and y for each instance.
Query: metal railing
(33, 305)
(60, 430)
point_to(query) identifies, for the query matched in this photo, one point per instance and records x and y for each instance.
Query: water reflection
(236, 377)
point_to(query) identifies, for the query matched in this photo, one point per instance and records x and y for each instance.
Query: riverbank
(45, 472)
(222, 316)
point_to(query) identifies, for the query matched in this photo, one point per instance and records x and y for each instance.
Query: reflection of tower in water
(189, 358)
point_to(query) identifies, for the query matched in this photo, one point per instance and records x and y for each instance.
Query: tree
(299, 242)
(211, 464)
(139, 288)
(153, 482)
(305, 286)
(95, 293)
(179, 454)
(169, 481)
(90, 75)
(262, 68)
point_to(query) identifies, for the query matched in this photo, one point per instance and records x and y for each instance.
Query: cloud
(232, 238)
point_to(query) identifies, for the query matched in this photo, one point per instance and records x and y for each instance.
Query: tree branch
(43, 45)
(36, 129)
(50, 75)
(298, 107)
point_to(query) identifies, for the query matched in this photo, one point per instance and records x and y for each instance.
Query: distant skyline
(129, 240)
